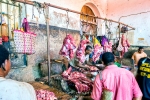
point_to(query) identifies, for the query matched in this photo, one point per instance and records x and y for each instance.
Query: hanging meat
(108, 47)
(125, 45)
(68, 49)
(98, 50)
(80, 54)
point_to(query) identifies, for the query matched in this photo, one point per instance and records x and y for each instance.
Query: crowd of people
(119, 82)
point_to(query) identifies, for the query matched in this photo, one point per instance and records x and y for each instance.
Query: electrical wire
(133, 15)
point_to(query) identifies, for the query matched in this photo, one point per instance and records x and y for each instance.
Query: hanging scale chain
(67, 21)
(38, 7)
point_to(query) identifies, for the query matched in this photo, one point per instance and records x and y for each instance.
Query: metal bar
(119, 40)
(133, 14)
(14, 17)
(19, 24)
(21, 1)
(67, 22)
(54, 6)
(119, 32)
(48, 44)
(25, 8)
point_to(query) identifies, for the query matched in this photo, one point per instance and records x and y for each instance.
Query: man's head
(108, 58)
(88, 49)
(141, 50)
(4, 60)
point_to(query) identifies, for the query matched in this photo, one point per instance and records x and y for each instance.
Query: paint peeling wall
(117, 8)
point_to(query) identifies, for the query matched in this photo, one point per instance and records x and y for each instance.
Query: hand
(89, 75)
(82, 70)
(87, 69)
(86, 65)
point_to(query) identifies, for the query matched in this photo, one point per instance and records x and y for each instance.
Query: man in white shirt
(11, 89)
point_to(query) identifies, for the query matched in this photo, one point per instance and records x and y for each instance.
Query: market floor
(60, 95)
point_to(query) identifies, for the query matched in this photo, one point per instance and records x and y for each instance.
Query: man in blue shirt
(143, 77)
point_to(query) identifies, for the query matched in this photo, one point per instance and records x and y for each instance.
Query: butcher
(82, 61)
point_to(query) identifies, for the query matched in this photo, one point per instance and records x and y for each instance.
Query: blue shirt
(143, 77)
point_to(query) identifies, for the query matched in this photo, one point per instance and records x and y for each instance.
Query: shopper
(119, 81)
(138, 55)
(11, 89)
(143, 77)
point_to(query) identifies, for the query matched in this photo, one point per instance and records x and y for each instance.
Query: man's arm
(140, 98)
(132, 59)
(79, 64)
(89, 62)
